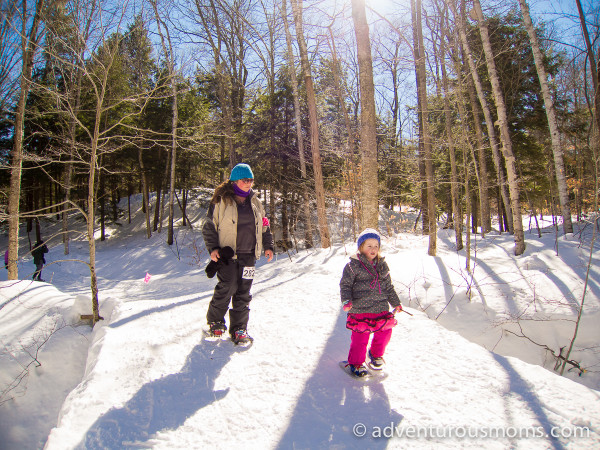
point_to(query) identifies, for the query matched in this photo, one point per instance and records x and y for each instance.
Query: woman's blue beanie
(241, 171)
(368, 233)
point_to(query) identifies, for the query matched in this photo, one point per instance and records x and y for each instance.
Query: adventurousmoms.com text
(463, 432)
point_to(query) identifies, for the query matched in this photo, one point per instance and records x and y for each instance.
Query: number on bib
(248, 273)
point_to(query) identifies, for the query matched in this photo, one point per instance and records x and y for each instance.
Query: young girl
(367, 291)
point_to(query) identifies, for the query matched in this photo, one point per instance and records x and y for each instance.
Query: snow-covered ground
(145, 378)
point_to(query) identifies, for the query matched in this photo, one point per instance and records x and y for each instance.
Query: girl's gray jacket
(368, 287)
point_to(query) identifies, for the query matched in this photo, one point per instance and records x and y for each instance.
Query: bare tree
(592, 62)
(9, 53)
(168, 51)
(298, 123)
(223, 29)
(557, 150)
(368, 119)
(486, 215)
(507, 150)
(99, 59)
(454, 183)
(31, 34)
(74, 80)
(425, 137)
(492, 135)
(314, 125)
(349, 141)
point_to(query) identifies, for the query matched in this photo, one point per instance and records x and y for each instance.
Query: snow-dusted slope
(145, 378)
(151, 381)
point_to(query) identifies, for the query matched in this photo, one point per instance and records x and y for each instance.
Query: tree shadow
(157, 309)
(333, 403)
(510, 302)
(520, 387)
(445, 276)
(165, 403)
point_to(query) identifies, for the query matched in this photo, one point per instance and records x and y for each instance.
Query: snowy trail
(176, 390)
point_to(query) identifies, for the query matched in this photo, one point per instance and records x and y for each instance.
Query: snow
(144, 377)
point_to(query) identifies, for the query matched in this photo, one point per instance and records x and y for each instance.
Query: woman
(38, 259)
(236, 219)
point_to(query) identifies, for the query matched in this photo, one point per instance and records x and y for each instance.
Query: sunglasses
(247, 180)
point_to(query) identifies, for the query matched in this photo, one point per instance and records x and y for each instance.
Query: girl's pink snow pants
(360, 341)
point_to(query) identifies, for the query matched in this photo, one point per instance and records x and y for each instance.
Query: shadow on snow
(332, 403)
(519, 387)
(163, 404)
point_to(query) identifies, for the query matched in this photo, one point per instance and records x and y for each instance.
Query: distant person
(367, 292)
(6, 260)
(236, 219)
(38, 259)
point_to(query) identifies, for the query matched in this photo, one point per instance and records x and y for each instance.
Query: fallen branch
(561, 360)
(9, 391)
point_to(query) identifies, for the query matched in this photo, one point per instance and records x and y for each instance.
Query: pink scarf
(374, 275)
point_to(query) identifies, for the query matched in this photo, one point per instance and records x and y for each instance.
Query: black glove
(211, 269)
(225, 254)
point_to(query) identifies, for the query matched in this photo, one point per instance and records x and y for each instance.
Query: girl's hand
(397, 309)
(214, 255)
(347, 306)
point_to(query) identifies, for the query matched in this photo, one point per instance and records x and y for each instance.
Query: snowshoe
(363, 372)
(359, 371)
(376, 363)
(241, 337)
(216, 330)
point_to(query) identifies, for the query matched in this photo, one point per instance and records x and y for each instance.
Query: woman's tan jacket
(220, 230)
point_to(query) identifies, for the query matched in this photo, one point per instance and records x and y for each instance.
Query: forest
(479, 115)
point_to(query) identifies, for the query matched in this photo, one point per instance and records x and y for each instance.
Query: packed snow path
(152, 381)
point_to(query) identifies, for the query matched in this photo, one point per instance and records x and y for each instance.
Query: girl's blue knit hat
(368, 233)
(241, 171)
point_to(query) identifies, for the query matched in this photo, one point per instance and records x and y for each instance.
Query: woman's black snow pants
(232, 287)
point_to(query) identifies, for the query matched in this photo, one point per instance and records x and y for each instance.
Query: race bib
(248, 273)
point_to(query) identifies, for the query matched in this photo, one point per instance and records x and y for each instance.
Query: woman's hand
(214, 255)
(397, 309)
(269, 255)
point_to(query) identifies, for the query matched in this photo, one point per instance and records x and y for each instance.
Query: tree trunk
(593, 69)
(91, 202)
(509, 157)
(349, 141)
(68, 175)
(172, 180)
(102, 200)
(557, 151)
(15, 180)
(467, 213)
(145, 190)
(489, 121)
(167, 47)
(308, 233)
(225, 101)
(29, 42)
(368, 119)
(456, 216)
(314, 127)
(484, 193)
(158, 186)
(419, 56)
